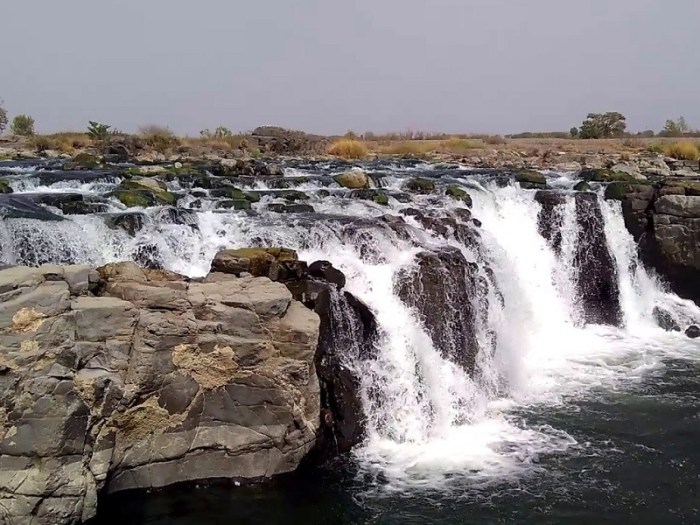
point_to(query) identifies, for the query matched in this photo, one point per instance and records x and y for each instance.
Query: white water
(432, 421)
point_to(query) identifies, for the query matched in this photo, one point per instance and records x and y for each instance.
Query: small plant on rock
(98, 132)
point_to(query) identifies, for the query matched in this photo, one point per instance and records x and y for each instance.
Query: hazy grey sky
(329, 66)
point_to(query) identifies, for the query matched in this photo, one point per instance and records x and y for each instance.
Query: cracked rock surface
(120, 378)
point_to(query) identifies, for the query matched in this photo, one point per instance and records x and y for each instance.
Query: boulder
(582, 186)
(146, 379)
(531, 179)
(665, 320)
(459, 194)
(693, 332)
(353, 179)
(420, 185)
(278, 264)
(5, 186)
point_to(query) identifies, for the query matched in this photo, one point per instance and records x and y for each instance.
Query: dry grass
(348, 149)
(458, 146)
(683, 150)
(65, 142)
(407, 148)
(160, 138)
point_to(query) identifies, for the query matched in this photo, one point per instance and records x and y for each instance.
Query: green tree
(675, 128)
(603, 125)
(3, 116)
(23, 125)
(574, 132)
(98, 132)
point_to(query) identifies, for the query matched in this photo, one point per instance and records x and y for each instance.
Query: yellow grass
(348, 149)
(458, 145)
(683, 150)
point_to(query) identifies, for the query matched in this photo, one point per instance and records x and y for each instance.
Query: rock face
(122, 378)
(665, 221)
(445, 278)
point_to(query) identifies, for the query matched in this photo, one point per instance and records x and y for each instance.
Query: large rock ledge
(118, 378)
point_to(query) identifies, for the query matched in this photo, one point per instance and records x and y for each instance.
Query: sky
(324, 66)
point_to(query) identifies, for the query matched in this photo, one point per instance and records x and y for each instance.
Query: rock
(353, 179)
(665, 320)
(381, 199)
(444, 278)
(582, 186)
(278, 264)
(83, 161)
(420, 185)
(459, 194)
(144, 183)
(630, 171)
(20, 206)
(155, 380)
(130, 222)
(693, 332)
(568, 166)
(237, 204)
(290, 208)
(137, 194)
(325, 271)
(5, 186)
(678, 206)
(531, 179)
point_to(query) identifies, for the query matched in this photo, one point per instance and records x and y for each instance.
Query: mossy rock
(294, 195)
(5, 186)
(420, 185)
(280, 254)
(353, 180)
(144, 197)
(83, 161)
(691, 187)
(617, 190)
(381, 198)
(582, 186)
(251, 197)
(459, 194)
(606, 175)
(144, 183)
(233, 204)
(531, 179)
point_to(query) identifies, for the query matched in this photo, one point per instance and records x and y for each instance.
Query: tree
(574, 132)
(98, 132)
(23, 125)
(3, 116)
(675, 128)
(603, 125)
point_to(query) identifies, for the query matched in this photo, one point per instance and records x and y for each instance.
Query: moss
(691, 187)
(381, 198)
(5, 186)
(531, 177)
(251, 197)
(83, 161)
(617, 190)
(281, 254)
(459, 194)
(582, 186)
(420, 185)
(134, 198)
(144, 197)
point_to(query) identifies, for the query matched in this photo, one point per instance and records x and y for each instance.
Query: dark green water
(637, 461)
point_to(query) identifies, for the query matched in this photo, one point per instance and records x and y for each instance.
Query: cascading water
(429, 420)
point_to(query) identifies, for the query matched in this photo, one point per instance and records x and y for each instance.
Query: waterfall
(510, 319)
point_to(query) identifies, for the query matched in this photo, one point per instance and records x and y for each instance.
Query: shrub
(494, 140)
(348, 149)
(219, 133)
(458, 145)
(23, 125)
(682, 150)
(159, 138)
(408, 148)
(98, 132)
(3, 116)
(42, 143)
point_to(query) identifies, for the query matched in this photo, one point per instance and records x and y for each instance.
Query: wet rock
(5, 186)
(325, 271)
(83, 161)
(550, 218)
(290, 208)
(582, 186)
(180, 216)
(230, 204)
(353, 179)
(144, 198)
(442, 288)
(693, 332)
(607, 175)
(16, 206)
(636, 202)
(420, 185)
(531, 180)
(459, 194)
(665, 320)
(147, 255)
(596, 273)
(130, 222)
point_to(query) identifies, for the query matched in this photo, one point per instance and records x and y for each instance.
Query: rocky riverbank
(120, 378)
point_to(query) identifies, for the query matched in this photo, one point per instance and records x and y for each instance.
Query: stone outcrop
(665, 221)
(122, 378)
